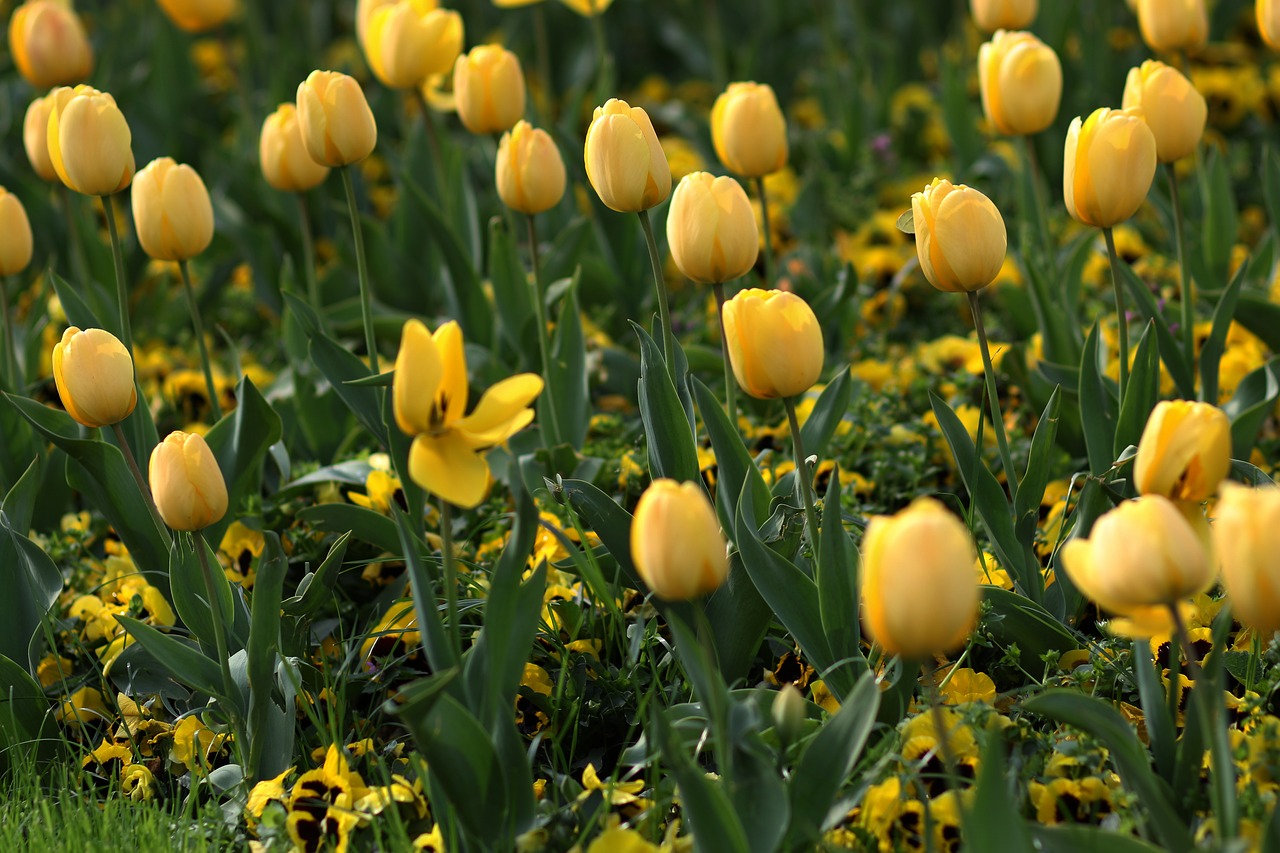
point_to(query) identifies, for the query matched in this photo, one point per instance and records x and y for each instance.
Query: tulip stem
(204, 349)
(362, 268)
(12, 377)
(768, 233)
(1188, 289)
(76, 250)
(544, 344)
(309, 258)
(803, 474)
(1121, 321)
(660, 284)
(137, 475)
(730, 383)
(433, 142)
(450, 577)
(219, 635)
(1037, 197)
(993, 398)
(122, 293)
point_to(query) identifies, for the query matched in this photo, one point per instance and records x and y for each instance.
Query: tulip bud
(35, 137)
(15, 235)
(49, 44)
(94, 375)
(171, 211)
(530, 171)
(197, 16)
(1184, 452)
(488, 89)
(625, 162)
(748, 130)
(1174, 24)
(919, 592)
(407, 41)
(775, 343)
(1108, 166)
(1171, 106)
(788, 713)
(1269, 22)
(676, 543)
(336, 123)
(1246, 532)
(90, 144)
(960, 237)
(186, 482)
(285, 162)
(1021, 82)
(1140, 554)
(992, 15)
(711, 229)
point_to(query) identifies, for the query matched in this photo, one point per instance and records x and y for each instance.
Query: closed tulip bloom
(1021, 82)
(1269, 22)
(407, 41)
(94, 375)
(186, 482)
(1173, 109)
(286, 165)
(90, 144)
(1141, 554)
(919, 592)
(775, 343)
(992, 15)
(35, 137)
(625, 162)
(49, 44)
(1184, 452)
(711, 229)
(1246, 532)
(197, 16)
(676, 543)
(171, 211)
(488, 89)
(960, 236)
(336, 123)
(1174, 24)
(1108, 166)
(15, 235)
(748, 130)
(530, 171)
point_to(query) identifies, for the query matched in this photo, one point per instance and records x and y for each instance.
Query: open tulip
(530, 172)
(919, 591)
(748, 130)
(197, 16)
(775, 343)
(172, 211)
(960, 236)
(676, 543)
(406, 41)
(336, 123)
(1021, 82)
(49, 44)
(15, 235)
(1184, 452)
(992, 15)
(1174, 24)
(429, 396)
(90, 144)
(35, 137)
(186, 482)
(711, 229)
(1171, 106)
(1108, 165)
(1246, 532)
(488, 89)
(625, 162)
(286, 165)
(94, 375)
(1269, 22)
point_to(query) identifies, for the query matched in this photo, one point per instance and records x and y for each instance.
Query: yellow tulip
(1174, 24)
(530, 172)
(1184, 452)
(49, 44)
(1108, 165)
(336, 123)
(171, 211)
(1269, 22)
(919, 592)
(1171, 106)
(186, 482)
(992, 15)
(1141, 554)
(488, 89)
(625, 162)
(711, 229)
(1021, 82)
(748, 130)
(775, 343)
(429, 396)
(90, 144)
(94, 376)
(35, 137)
(960, 236)
(676, 543)
(586, 8)
(1246, 531)
(406, 41)
(15, 235)
(197, 16)
(286, 165)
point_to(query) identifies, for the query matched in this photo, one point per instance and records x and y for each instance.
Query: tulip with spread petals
(1184, 452)
(992, 15)
(49, 44)
(960, 236)
(748, 130)
(1171, 107)
(336, 123)
(35, 137)
(186, 482)
(530, 173)
(1246, 530)
(1108, 165)
(625, 162)
(94, 375)
(90, 144)
(676, 543)
(286, 165)
(1020, 79)
(1268, 12)
(407, 41)
(711, 229)
(488, 89)
(1181, 25)
(171, 211)
(198, 16)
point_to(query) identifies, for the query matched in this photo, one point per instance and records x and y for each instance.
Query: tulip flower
(749, 131)
(35, 137)
(676, 543)
(1171, 107)
(198, 16)
(960, 236)
(1174, 24)
(89, 141)
(711, 229)
(171, 211)
(15, 235)
(286, 165)
(530, 173)
(1184, 452)
(775, 343)
(49, 44)
(624, 160)
(1246, 532)
(336, 123)
(187, 483)
(1109, 163)
(94, 375)
(1268, 12)
(1020, 78)
(488, 89)
(919, 592)
(992, 15)
(406, 41)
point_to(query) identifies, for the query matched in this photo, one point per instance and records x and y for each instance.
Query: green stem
(730, 382)
(1037, 195)
(219, 635)
(450, 577)
(1121, 321)
(544, 344)
(603, 83)
(122, 291)
(768, 233)
(79, 268)
(803, 474)
(12, 379)
(1188, 289)
(204, 349)
(993, 398)
(309, 258)
(660, 285)
(137, 475)
(362, 267)
(433, 142)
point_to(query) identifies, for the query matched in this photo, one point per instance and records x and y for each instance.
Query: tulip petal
(451, 396)
(502, 411)
(617, 162)
(418, 374)
(448, 468)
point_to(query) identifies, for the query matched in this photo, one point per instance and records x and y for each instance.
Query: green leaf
(190, 598)
(1170, 350)
(739, 619)
(712, 817)
(837, 579)
(1015, 619)
(1155, 706)
(1261, 317)
(1031, 488)
(1070, 838)
(1097, 406)
(511, 297)
(734, 465)
(610, 522)
(995, 822)
(316, 587)
(1219, 226)
(32, 579)
(267, 720)
(20, 502)
(23, 714)
(1212, 349)
(568, 374)
(338, 365)
(672, 450)
(440, 652)
(1253, 402)
(185, 664)
(828, 412)
(1271, 185)
(1140, 395)
(364, 524)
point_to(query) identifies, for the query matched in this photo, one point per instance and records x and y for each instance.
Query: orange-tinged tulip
(1108, 165)
(1174, 24)
(90, 144)
(488, 89)
(530, 172)
(960, 236)
(1246, 531)
(775, 343)
(992, 15)
(676, 543)
(197, 16)
(1184, 452)
(748, 130)
(286, 165)
(15, 235)
(35, 137)
(335, 120)
(1021, 82)
(406, 41)
(186, 482)
(171, 211)
(1171, 106)
(1269, 22)
(625, 162)
(49, 44)
(711, 229)
(94, 375)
